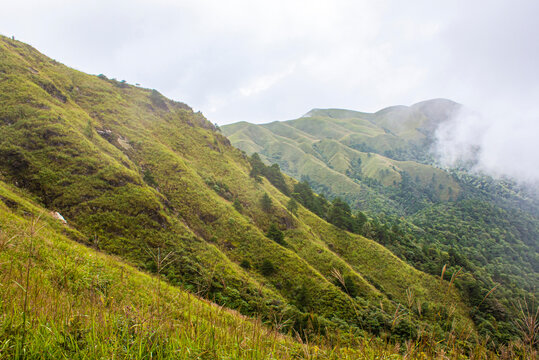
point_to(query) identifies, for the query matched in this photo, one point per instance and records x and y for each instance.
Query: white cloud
(271, 60)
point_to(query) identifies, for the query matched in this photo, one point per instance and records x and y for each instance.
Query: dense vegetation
(474, 231)
(152, 183)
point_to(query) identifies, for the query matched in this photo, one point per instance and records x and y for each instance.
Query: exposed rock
(124, 143)
(107, 134)
(58, 216)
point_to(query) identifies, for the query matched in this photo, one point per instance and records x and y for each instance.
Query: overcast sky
(260, 61)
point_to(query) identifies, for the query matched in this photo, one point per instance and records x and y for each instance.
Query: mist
(498, 144)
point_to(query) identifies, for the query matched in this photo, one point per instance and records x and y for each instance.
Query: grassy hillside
(61, 299)
(478, 231)
(351, 154)
(64, 300)
(145, 178)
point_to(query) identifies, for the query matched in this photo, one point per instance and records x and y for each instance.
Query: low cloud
(499, 144)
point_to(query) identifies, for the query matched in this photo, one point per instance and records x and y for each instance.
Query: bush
(237, 205)
(275, 234)
(148, 178)
(267, 268)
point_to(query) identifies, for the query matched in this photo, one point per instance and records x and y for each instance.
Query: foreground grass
(62, 300)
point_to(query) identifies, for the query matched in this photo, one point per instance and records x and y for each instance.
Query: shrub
(237, 205)
(266, 203)
(275, 234)
(292, 206)
(148, 178)
(267, 268)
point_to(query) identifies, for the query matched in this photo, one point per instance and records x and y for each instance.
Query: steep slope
(84, 304)
(481, 232)
(140, 176)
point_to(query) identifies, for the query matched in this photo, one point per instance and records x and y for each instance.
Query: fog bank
(495, 143)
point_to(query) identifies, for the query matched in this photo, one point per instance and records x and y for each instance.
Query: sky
(261, 61)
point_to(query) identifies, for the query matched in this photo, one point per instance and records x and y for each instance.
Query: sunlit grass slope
(60, 299)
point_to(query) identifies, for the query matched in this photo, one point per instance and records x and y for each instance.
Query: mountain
(122, 182)
(482, 233)
(349, 154)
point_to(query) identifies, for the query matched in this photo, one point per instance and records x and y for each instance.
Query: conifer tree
(266, 203)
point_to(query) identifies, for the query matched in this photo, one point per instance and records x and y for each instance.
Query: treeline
(336, 212)
(272, 173)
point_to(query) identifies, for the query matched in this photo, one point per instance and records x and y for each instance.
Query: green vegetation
(272, 173)
(478, 233)
(266, 203)
(292, 206)
(275, 234)
(237, 205)
(60, 299)
(371, 161)
(154, 232)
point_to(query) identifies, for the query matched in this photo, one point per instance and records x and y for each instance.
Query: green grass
(343, 152)
(83, 304)
(60, 299)
(135, 174)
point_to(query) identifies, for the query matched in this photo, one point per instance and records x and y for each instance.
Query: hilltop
(349, 153)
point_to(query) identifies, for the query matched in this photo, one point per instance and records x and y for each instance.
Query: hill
(149, 181)
(483, 233)
(349, 154)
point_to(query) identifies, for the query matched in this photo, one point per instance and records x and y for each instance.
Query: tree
(257, 166)
(359, 220)
(292, 206)
(275, 234)
(267, 268)
(266, 203)
(306, 197)
(274, 175)
(340, 215)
